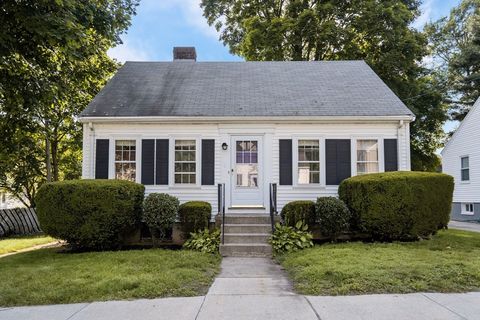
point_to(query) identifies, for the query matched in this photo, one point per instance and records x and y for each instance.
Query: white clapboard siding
(465, 142)
(272, 132)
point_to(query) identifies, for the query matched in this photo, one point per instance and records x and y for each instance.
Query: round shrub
(296, 211)
(399, 205)
(90, 214)
(160, 212)
(194, 216)
(332, 216)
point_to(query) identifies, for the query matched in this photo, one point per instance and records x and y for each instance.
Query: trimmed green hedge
(399, 205)
(296, 211)
(90, 214)
(332, 216)
(194, 216)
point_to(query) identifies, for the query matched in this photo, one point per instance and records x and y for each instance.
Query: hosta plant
(287, 239)
(204, 241)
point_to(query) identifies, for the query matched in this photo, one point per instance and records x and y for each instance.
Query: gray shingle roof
(334, 88)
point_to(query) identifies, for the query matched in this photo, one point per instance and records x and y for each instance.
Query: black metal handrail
(221, 207)
(273, 204)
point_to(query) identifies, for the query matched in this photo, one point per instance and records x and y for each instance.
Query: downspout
(91, 174)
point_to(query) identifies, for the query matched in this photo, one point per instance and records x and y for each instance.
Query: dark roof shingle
(333, 88)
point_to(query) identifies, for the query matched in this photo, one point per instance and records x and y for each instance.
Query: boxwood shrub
(296, 211)
(194, 216)
(90, 214)
(399, 205)
(333, 216)
(160, 212)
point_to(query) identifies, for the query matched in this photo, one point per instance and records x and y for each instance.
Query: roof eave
(239, 119)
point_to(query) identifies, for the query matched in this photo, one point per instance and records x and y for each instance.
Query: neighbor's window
(125, 159)
(3, 197)
(308, 162)
(367, 156)
(467, 208)
(185, 162)
(465, 169)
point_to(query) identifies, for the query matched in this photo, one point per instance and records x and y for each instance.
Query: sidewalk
(256, 288)
(467, 226)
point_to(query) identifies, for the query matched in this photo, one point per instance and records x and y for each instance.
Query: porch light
(224, 146)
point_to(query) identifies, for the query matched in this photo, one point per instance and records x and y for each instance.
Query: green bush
(399, 205)
(160, 211)
(332, 216)
(194, 216)
(90, 214)
(287, 239)
(204, 241)
(296, 211)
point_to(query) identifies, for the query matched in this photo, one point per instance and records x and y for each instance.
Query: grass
(449, 262)
(47, 276)
(14, 244)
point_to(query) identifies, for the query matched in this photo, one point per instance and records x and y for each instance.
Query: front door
(246, 173)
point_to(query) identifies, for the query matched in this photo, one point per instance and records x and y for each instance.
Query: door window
(246, 167)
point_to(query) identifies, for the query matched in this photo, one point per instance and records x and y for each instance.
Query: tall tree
(52, 62)
(378, 32)
(455, 41)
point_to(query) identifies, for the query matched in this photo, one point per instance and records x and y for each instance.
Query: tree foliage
(378, 32)
(455, 41)
(52, 62)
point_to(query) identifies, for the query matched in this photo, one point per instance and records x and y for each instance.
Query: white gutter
(241, 119)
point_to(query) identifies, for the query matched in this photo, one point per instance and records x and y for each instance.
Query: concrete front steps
(246, 236)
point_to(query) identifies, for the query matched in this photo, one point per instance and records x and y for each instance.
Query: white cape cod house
(183, 127)
(461, 159)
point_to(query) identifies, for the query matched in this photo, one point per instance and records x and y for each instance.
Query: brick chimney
(184, 54)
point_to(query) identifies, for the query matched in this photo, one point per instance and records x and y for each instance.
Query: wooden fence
(18, 222)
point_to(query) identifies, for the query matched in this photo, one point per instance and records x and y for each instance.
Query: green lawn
(449, 262)
(14, 244)
(47, 277)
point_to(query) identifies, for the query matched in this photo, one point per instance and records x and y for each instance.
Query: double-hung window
(308, 162)
(125, 160)
(185, 162)
(465, 170)
(367, 156)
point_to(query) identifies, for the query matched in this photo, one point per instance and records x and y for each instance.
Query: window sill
(187, 186)
(309, 186)
(467, 213)
(465, 182)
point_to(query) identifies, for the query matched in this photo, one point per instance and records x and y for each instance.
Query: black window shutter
(148, 162)
(337, 160)
(286, 162)
(162, 161)
(101, 159)
(208, 162)
(391, 154)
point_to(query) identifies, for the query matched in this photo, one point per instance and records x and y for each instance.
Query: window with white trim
(308, 162)
(467, 209)
(125, 159)
(465, 169)
(185, 162)
(367, 156)
(3, 197)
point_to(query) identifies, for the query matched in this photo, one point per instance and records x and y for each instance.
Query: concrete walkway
(256, 288)
(467, 226)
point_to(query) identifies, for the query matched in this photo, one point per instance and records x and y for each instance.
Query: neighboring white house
(183, 127)
(461, 159)
(7, 201)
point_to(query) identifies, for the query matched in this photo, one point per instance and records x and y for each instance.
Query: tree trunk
(47, 158)
(54, 147)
